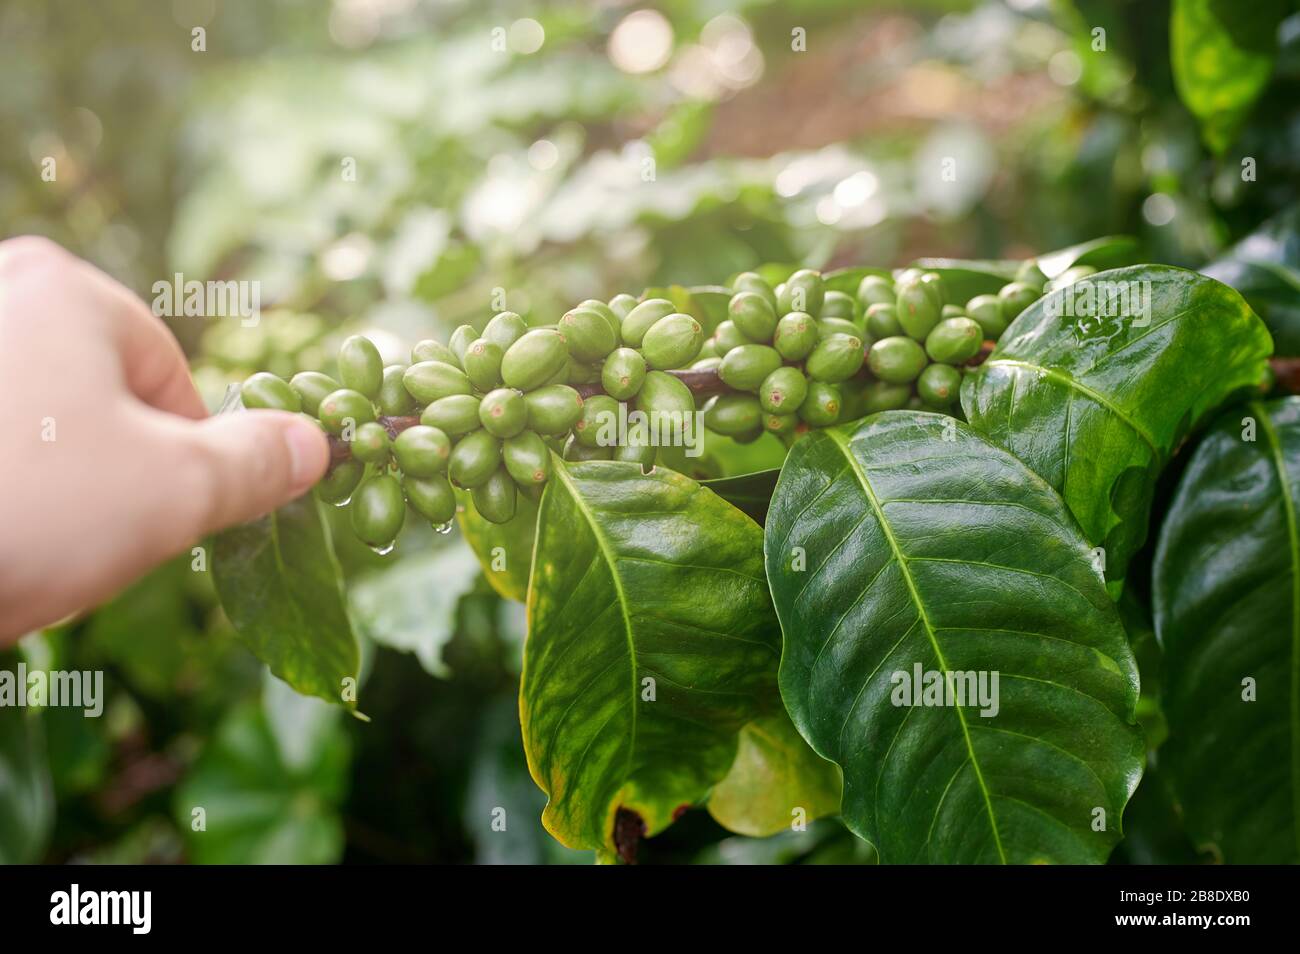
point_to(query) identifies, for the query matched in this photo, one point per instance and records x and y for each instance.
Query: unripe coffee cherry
(311, 387)
(360, 367)
(422, 451)
(266, 390)
(340, 408)
(502, 412)
(623, 373)
(370, 443)
(474, 458)
(431, 497)
(378, 510)
(454, 415)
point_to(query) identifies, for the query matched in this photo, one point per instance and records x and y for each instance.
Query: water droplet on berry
(384, 551)
(442, 527)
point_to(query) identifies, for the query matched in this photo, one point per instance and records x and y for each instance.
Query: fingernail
(308, 451)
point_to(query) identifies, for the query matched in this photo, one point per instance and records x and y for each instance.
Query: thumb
(245, 465)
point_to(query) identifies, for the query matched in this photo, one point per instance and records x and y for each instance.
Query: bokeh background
(548, 152)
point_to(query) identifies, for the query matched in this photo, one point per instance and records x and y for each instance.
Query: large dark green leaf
(1227, 603)
(750, 493)
(775, 781)
(1095, 405)
(912, 541)
(640, 582)
(281, 587)
(1222, 54)
(1265, 268)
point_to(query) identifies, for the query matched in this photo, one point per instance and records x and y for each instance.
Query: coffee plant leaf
(775, 783)
(963, 279)
(749, 493)
(1227, 609)
(1095, 405)
(504, 550)
(1108, 251)
(847, 280)
(1222, 55)
(1265, 268)
(907, 546)
(281, 587)
(652, 642)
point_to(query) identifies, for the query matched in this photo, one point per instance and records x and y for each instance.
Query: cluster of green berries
(486, 411)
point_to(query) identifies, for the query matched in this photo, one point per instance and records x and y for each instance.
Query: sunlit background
(390, 166)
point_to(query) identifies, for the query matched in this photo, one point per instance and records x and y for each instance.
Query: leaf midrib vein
(925, 621)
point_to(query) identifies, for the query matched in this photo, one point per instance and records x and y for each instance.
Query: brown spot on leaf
(629, 829)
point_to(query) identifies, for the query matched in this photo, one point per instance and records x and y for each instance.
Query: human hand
(109, 463)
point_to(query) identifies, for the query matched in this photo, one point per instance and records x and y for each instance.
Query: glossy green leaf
(1109, 251)
(775, 782)
(906, 541)
(651, 643)
(281, 588)
(411, 606)
(1227, 605)
(1265, 268)
(26, 796)
(504, 550)
(749, 493)
(847, 280)
(1222, 53)
(1096, 404)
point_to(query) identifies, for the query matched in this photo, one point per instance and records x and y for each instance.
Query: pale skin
(109, 462)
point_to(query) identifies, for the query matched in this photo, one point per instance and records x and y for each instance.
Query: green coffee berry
(803, 291)
(1068, 277)
(882, 321)
(986, 311)
(727, 336)
(599, 415)
(933, 283)
(837, 326)
(553, 410)
(394, 399)
(504, 329)
(883, 396)
(360, 367)
(754, 282)
(821, 408)
(746, 367)
(622, 305)
(430, 380)
(1030, 274)
(422, 451)
(733, 414)
(311, 388)
(671, 342)
(378, 510)
(951, 311)
(705, 364)
(602, 309)
(897, 360)
(431, 497)
(836, 358)
(954, 341)
(907, 276)
(640, 318)
(534, 359)
(668, 397)
(340, 408)
(483, 364)
(753, 316)
(783, 391)
(917, 311)
(643, 454)
(874, 290)
(462, 338)
(781, 423)
(266, 390)
(575, 451)
(708, 350)
(474, 459)
(497, 497)
(1016, 297)
(337, 485)
(837, 304)
(431, 350)
(589, 334)
(578, 373)
(453, 415)
(527, 458)
(503, 413)
(623, 373)
(796, 336)
(939, 385)
(370, 443)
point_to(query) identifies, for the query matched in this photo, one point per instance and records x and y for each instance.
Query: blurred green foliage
(402, 166)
